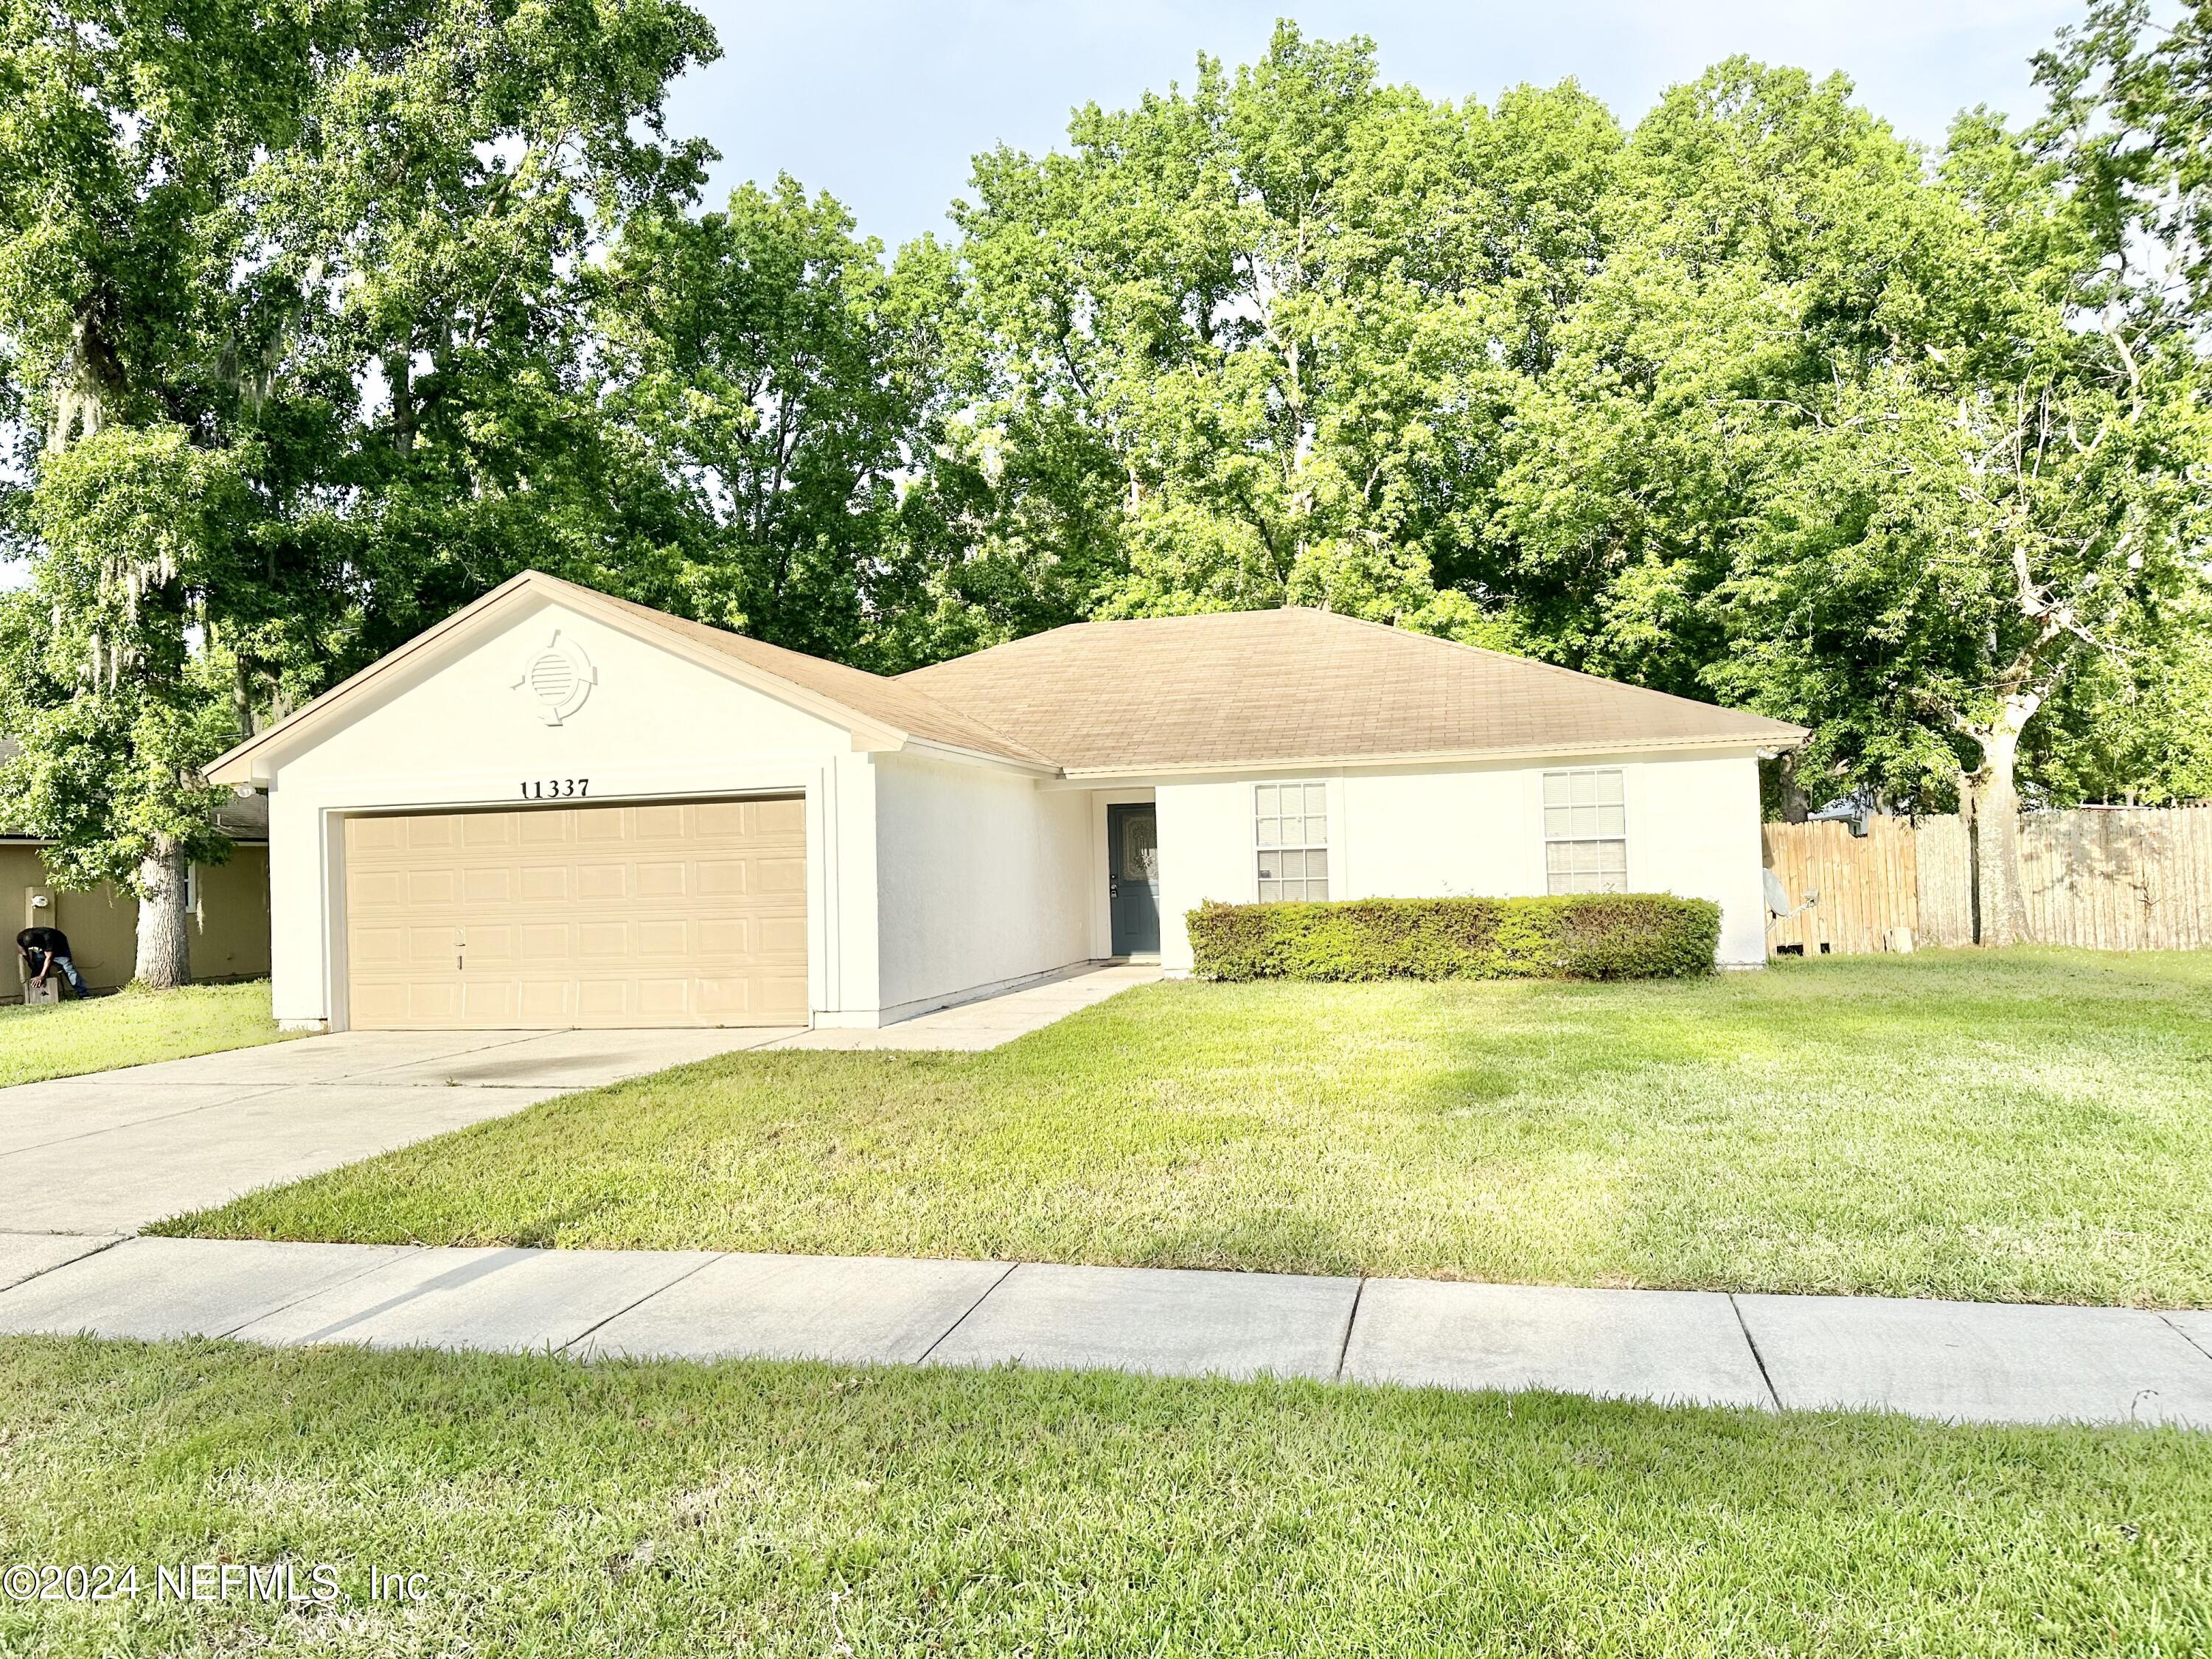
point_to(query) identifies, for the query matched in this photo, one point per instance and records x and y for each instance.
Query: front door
(1132, 879)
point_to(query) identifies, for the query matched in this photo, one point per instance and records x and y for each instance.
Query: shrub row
(1589, 936)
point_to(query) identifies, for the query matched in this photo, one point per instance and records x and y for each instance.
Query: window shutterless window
(1586, 831)
(1291, 831)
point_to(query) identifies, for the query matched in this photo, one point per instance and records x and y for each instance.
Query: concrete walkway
(1966, 1362)
(986, 1022)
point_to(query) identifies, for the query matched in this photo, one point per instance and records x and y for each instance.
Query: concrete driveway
(111, 1152)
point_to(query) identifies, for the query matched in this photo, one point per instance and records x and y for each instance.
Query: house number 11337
(555, 788)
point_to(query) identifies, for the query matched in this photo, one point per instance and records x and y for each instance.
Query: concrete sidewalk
(1964, 1362)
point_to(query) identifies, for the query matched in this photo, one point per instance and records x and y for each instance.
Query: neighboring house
(558, 809)
(228, 904)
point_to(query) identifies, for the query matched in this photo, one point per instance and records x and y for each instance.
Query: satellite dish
(1778, 899)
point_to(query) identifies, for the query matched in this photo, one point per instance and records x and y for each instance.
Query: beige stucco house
(559, 809)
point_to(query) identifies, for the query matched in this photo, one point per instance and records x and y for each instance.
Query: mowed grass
(131, 1028)
(2035, 1126)
(558, 1509)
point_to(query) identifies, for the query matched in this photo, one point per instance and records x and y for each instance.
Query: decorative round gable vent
(557, 678)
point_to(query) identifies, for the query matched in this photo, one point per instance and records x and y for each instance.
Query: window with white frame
(1291, 830)
(1586, 831)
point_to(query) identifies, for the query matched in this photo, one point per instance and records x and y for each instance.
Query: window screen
(1585, 831)
(1291, 831)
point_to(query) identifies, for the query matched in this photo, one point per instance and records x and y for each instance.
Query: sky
(881, 104)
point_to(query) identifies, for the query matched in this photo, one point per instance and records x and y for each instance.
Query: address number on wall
(555, 788)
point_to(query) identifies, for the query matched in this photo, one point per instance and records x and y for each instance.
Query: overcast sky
(882, 103)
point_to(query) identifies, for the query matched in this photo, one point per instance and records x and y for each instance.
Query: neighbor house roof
(1248, 688)
(242, 817)
(1262, 687)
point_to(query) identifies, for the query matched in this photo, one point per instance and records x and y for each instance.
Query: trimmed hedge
(1588, 936)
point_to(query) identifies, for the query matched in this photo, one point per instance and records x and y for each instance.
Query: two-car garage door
(685, 913)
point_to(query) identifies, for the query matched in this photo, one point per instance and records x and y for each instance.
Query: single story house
(559, 809)
(228, 906)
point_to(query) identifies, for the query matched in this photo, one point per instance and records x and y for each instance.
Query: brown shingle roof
(1250, 687)
(896, 702)
(1267, 686)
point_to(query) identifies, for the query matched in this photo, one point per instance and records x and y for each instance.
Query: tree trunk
(1991, 802)
(164, 945)
(1796, 806)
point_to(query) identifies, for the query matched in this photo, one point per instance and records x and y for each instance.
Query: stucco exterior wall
(983, 878)
(1477, 832)
(228, 933)
(455, 730)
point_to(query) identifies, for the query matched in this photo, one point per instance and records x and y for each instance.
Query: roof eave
(930, 746)
(1748, 742)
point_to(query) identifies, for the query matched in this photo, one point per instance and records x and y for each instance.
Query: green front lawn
(131, 1028)
(558, 1509)
(2034, 1126)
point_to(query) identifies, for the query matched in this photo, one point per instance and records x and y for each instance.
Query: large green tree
(300, 285)
(1280, 318)
(780, 378)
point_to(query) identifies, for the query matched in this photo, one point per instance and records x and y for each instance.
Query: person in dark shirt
(46, 949)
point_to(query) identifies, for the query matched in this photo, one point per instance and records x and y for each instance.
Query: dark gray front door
(1132, 879)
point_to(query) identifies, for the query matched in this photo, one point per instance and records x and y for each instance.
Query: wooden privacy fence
(2113, 878)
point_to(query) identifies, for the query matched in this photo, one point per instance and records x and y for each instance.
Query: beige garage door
(690, 914)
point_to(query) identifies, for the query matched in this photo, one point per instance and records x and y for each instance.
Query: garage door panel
(428, 947)
(783, 939)
(547, 883)
(603, 881)
(674, 913)
(377, 835)
(663, 879)
(606, 1002)
(731, 938)
(432, 887)
(545, 829)
(602, 942)
(381, 947)
(546, 943)
(784, 818)
(727, 998)
(780, 1001)
(492, 885)
(381, 1005)
(382, 890)
(720, 877)
(664, 999)
(493, 1002)
(546, 1000)
(432, 1003)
